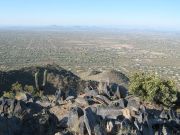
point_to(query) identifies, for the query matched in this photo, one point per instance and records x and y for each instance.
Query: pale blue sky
(153, 13)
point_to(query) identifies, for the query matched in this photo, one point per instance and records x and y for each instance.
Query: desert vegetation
(83, 82)
(80, 49)
(65, 103)
(154, 89)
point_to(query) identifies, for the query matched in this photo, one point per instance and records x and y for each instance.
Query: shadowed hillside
(55, 78)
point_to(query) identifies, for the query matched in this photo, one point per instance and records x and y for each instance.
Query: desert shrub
(9, 94)
(38, 93)
(16, 87)
(152, 88)
(29, 89)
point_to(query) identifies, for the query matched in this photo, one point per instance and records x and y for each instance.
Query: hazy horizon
(89, 27)
(161, 14)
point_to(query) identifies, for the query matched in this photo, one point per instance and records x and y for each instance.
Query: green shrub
(29, 89)
(16, 87)
(38, 94)
(152, 88)
(9, 94)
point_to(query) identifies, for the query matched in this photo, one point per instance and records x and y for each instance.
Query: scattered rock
(72, 106)
(133, 103)
(18, 117)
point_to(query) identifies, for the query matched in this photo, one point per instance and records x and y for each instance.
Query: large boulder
(20, 118)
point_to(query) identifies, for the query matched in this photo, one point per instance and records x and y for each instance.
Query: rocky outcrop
(120, 116)
(71, 106)
(20, 118)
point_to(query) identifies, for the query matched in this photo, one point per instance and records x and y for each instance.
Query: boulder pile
(100, 108)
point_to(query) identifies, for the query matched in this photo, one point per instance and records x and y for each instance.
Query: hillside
(56, 77)
(111, 76)
(62, 103)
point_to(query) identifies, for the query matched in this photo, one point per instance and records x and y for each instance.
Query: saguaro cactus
(44, 78)
(100, 87)
(118, 94)
(36, 80)
(108, 82)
